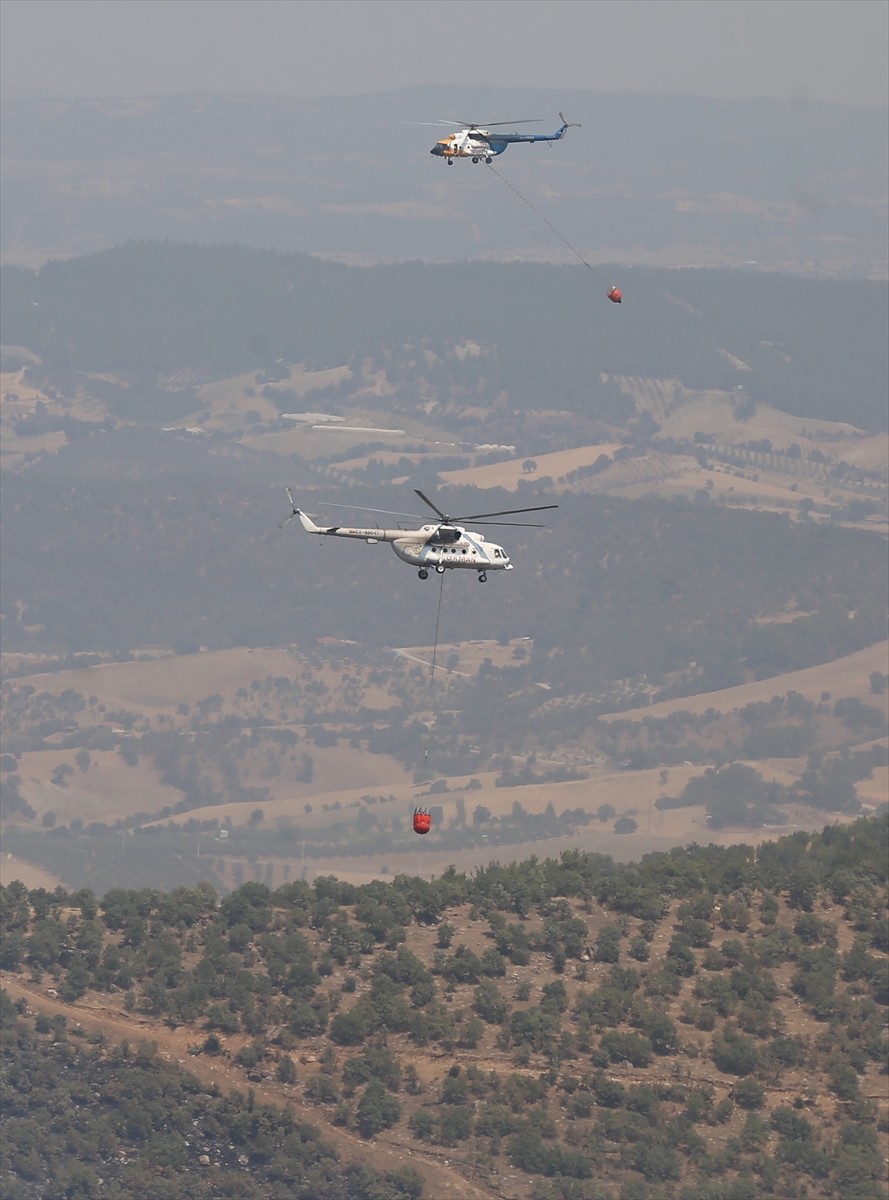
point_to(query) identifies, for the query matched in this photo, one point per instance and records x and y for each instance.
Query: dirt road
(441, 1170)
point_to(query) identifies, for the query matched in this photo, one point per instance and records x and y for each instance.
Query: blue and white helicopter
(481, 145)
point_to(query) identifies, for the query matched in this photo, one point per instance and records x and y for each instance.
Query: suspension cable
(432, 671)
(437, 622)
(543, 218)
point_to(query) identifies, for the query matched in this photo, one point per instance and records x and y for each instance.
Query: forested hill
(707, 1024)
(815, 348)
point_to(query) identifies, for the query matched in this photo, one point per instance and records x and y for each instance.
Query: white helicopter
(442, 546)
(481, 145)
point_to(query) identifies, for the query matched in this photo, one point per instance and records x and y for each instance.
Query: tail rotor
(294, 510)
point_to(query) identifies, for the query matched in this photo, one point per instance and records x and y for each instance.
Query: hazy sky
(814, 49)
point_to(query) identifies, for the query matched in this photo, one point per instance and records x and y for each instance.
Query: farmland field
(845, 677)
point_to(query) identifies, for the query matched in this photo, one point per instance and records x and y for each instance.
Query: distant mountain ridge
(660, 181)
(811, 347)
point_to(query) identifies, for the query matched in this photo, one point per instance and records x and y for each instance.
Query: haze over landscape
(642, 953)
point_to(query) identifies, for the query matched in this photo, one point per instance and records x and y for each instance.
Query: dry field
(630, 793)
(869, 453)
(733, 486)
(597, 838)
(162, 683)
(507, 474)
(12, 868)
(159, 684)
(713, 413)
(875, 790)
(106, 791)
(849, 676)
(155, 687)
(224, 402)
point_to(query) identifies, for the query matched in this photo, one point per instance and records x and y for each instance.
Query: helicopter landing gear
(449, 161)
(475, 158)
(439, 570)
(489, 159)
(422, 573)
(483, 578)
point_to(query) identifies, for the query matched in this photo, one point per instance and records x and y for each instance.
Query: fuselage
(431, 547)
(464, 145)
(469, 551)
(482, 146)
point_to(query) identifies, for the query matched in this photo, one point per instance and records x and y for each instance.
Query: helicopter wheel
(449, 161)
(483, 578)
(489, 160)
(475, 158)
(439, 570)
(422, 573)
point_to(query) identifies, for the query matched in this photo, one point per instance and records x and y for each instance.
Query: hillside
(156, 320)
(706, 1019)
(230, 968)
(174, 665)
(172, 767)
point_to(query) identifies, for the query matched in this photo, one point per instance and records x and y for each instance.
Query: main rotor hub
(446, 535)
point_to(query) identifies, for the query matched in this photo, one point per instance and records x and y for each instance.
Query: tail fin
(307, 522)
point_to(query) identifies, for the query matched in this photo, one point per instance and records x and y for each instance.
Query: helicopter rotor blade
(529, 121)
(490, 124)
(515, 524)
(434, 507)
(389, 512)
(293, 508)
(506, 512)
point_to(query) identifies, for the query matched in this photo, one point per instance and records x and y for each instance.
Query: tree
(629, 1047)
(878, 683)
(377, 1110)
(625, 825)
(735, 1054)
(61, 774)
(350, 1028)
(422, 1124)
(639, 949)
(489, 1004)
(285, 1071)
(661, 1031)
(607, 947)
(748, 1093)
(455, 1125)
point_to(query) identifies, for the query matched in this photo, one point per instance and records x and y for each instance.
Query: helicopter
(480, 144)
(441, 546)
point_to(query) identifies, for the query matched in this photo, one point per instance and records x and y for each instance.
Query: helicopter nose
(437, 149)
